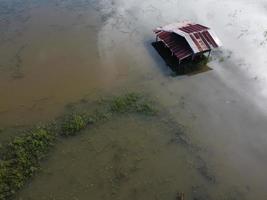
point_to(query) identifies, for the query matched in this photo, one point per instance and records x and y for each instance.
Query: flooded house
(187, 40)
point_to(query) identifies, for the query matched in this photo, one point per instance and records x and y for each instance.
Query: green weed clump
(145, 108)
(74, 123)
(131, 102)
(203, 62)
(100, 116)
(124, 103)
(21, 159)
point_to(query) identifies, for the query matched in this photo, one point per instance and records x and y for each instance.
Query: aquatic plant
(73, 123)
(124, 103)
(203, 62)
(145, 108)
(127, 103)
(21, 158)
(131, 102)
(100, 115)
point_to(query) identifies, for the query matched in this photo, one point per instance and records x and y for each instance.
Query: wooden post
(209, 54)
(180, 196)
(179, 67)
(193, 56)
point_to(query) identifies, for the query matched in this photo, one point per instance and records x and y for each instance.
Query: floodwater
(126, 158)
(49, 58)
(54, 53)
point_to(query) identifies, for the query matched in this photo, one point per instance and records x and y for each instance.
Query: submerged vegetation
(131, 102)
(73, 124)
(21, 158)
(124, 103)
(198, 63)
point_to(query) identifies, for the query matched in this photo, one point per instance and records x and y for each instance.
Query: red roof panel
(177, 44)
(208, 37)
(193, 28)
(204, 40)
(196, 42)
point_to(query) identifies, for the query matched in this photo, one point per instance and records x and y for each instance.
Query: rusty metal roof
(177, 44)
(200, 38)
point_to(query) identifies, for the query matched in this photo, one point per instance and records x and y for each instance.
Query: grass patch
(203, 62)
(131, 102)
(73, 123)
(145, 108)
(125, 103)
(21, 158)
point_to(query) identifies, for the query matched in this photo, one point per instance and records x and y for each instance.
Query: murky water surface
(57, 52)
(49, 57)
(114, 161)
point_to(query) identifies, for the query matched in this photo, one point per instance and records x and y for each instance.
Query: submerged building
(187, 40)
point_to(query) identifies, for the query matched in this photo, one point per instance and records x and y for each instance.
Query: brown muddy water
(48, 58)
(54, 53)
